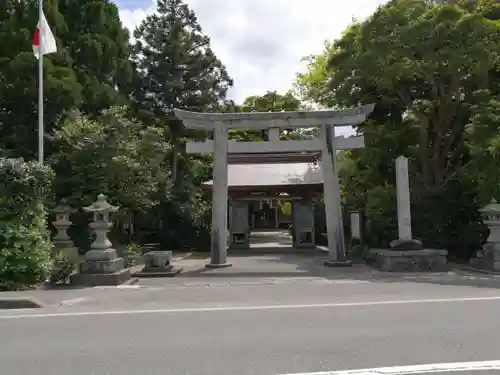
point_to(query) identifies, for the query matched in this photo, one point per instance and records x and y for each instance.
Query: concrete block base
(19, 303)
(338, 263)
(98, 279)
(304, 246)
(427, 260)
(218, 265)
(102, 266)
(239, 246)
(158, 272)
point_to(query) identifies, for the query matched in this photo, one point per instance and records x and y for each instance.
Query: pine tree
(89, 72)
(19, 79)
(177, 68)
(99, 46)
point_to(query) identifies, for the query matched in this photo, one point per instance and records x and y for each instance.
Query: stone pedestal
(408, 256)
(158, 264)
(102, 266)
(488, 258)
(426, 260)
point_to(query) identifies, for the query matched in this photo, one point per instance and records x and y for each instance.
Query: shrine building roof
(285, 174)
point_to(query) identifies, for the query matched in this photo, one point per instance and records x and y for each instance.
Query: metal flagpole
(40, 83)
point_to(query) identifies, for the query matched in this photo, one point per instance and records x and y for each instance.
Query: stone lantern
(101, 225)
(61, 241)
(489, 257)
(102, 266)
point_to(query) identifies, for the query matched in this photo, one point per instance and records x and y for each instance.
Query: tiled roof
(273, 174)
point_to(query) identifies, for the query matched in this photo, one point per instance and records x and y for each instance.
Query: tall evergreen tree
(88, 72)
(19, 78)
(177, 68)
(99, 45)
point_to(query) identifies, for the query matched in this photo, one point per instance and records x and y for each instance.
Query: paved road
(274, 329)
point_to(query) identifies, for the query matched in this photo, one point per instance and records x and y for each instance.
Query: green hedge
(25, 246)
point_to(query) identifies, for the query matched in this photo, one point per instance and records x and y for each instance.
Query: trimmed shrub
(25, 246)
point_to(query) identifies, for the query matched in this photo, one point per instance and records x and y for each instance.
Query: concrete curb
(479, 270)
(19, 303)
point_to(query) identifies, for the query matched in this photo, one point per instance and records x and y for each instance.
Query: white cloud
(261, 42)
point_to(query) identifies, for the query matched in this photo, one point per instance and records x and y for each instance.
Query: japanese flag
(43, 40)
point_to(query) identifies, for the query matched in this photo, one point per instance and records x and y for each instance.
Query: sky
(262, 42)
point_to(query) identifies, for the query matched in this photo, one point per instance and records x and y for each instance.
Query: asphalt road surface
(305, 329)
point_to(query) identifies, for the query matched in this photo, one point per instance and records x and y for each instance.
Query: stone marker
(405, 240)
(406, 253)
(102, 266)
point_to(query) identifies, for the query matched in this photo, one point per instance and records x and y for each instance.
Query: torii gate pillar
(218, 251)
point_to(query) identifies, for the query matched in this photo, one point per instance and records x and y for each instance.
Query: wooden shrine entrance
(270, 198)
(317, 156)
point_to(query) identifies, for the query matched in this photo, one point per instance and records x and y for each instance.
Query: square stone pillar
(333, 208)
(405, 240)
(218, 250)
(303, 228)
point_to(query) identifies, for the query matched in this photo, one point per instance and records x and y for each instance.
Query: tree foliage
(115, 155)
(25, 256)
(87, 72)
(425, 66)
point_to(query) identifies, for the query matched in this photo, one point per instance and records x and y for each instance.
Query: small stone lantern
(491, 214)
(101, 225)
(62, 223)
(489, 257)
(102, 265)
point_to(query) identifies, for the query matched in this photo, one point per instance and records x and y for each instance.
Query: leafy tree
(117, 156)
(271, 101)
(25, 247)
(483, 139)
(114, 155)
(422, 64)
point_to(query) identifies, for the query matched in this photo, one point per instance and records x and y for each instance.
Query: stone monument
(239, 231)
(158, 264)
(61, 241)
(303, 224)
(489, 257)
(407, 253)
(102, 266)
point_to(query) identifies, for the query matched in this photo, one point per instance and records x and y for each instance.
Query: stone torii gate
(226, 151)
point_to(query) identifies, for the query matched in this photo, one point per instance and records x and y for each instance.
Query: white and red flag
(44, 42)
